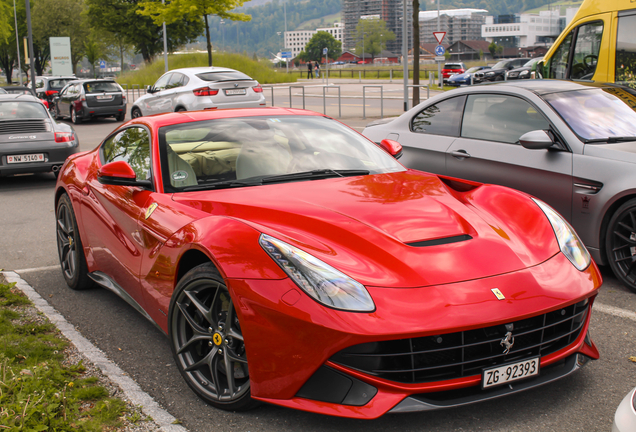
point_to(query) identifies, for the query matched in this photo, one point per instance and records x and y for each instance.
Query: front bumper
(291, 339)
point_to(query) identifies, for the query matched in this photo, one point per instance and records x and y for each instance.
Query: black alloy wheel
(135, 113)
(207, 341)
(621, 244)
(69, 247)
(74, 117)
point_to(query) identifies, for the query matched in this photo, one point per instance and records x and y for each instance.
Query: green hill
(326, 21)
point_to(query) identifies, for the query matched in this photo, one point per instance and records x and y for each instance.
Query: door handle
(460, 154)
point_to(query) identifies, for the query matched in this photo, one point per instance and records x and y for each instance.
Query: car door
(488, 150)
(113, 212)
(432, 131)
(160, 101)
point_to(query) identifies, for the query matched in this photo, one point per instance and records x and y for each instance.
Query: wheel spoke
(235, 335)
(626, 239)
(232, 356)
(207, 313)
(214, 371)
(193, 324)
(627, 258)
(207, 360)
(627, 227)
(196, 338)
(229, 373)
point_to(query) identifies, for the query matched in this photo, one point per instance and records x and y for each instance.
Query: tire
(74, 117)
(499, 78)
(120, 117)
(56, 113)
(69, 247)
(204, 345)
(135, 113)
(620, 243)
(180, 109)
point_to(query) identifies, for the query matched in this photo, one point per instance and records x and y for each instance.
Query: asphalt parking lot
(585, 401)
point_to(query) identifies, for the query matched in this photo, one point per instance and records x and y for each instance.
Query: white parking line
(37, 269)
(611, 310)
(131, 389)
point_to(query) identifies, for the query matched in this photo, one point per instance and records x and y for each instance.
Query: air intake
(441, 241)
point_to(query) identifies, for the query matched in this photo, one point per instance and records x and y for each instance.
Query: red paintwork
(117, 169)
(392, 147)
(357, 224)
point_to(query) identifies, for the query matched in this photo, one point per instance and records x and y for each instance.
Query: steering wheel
(592, 63)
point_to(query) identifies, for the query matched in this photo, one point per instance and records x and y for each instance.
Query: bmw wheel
(135, 113)
(69, 247)
(74, 118)
(207, 341)
(621, 244)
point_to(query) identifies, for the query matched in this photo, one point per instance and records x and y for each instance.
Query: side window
(500, 118)
(131, 145)
(626, 51)
(162, 82)
(175, 81)
(559, 62)
(440, 119)
(586, 49)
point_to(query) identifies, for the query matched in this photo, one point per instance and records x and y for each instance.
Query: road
(585, 401)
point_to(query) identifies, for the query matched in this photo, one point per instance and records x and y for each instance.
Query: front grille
(23, 126)
(462, 354)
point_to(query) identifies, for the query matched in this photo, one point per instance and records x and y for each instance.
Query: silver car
(625, 417)
(199, 88)
(571, 144)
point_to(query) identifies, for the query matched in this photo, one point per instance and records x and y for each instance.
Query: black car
(523, 72)
(498, 71)
(46, 87)
(30, 140)
(91, 98)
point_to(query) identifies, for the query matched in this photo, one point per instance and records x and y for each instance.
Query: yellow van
(599, 44)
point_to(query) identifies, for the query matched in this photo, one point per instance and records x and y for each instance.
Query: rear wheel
(135, 113)
(621, 244)
(207, 341)
(74, 117)
(120, 117)
(69, 247)
(499, 78)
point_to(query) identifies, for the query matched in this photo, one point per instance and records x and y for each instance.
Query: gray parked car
(199, 88)
(625, 417)
(88, 99)
(570, 144)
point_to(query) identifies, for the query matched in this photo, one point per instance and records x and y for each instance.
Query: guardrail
(364, 100)
(324, 100)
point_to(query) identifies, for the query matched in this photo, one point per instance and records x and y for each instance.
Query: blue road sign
(324, 51)
(102, 64)
(286, 54)
(439, 50)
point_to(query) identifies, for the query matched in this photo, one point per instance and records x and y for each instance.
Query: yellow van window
(626, 51)
(559, 62)
(586, 49)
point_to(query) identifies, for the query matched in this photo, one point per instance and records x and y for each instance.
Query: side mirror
(392, 147)
(119, 173)
(149, 89)
(536, 140)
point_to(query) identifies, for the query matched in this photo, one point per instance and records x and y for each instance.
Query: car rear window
(11, 110)
(452, 66)
(223, 76)
(101, 87)
(57, 84)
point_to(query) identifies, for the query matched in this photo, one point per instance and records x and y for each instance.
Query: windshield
(224, 76)
(530, 62)
(101, 87)
(11, 110)
(250, 151)
(452, 66)
(597, 113)
(500, 65)
(57, 84)
(474, 69)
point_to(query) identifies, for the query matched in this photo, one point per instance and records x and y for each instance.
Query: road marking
(611, 310)
(131, 389)
(37, 269)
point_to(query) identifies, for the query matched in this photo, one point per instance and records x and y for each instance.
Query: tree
(319, 41)
(95, 49)
(8, 47)
(373, 34)
(192, 11)
(6, 21)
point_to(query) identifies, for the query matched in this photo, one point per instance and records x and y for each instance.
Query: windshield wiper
(611, 140)
(221, 185)
(313, 175)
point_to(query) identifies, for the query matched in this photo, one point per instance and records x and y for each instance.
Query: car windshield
(530, 62)
(57, 84)
(101, 87)
(452, 66)
(223, 76)
(474, 69)
(597, 113)
(11, 110)
(250, 151)
(500, 65)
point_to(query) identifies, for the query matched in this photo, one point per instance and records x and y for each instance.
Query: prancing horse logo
(509, 340)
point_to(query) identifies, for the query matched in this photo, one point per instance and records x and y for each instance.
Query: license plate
(234, 92)
(509, 373)
(104, 97)
(38, 157)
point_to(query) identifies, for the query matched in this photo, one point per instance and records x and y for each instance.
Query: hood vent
(441, 241)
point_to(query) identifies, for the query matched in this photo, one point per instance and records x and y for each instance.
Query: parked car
(465, 78)
(285, 241)
(91, 98)
(13, 89)
(198, 88)
(569, 144)
(524, 71)
(498, 71)
(47, 87)
(625, 417)
(451, 69)
(30, 141)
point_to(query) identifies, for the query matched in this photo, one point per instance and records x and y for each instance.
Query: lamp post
(17, 41)
(165, 45)
(223, 33)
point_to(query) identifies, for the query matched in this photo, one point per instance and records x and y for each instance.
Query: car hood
(460, 76)
(623, 152)
(384, 230)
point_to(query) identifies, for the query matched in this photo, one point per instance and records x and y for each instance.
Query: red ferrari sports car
(290, 260)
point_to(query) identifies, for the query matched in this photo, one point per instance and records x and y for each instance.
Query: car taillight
(204, 91)
(46, 104)
(258, 89)
(123, 97)
(61, 137)
(50, 92)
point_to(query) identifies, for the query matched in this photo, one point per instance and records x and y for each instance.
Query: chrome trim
(105, 281)
(587, 186)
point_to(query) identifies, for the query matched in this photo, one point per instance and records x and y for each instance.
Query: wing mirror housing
(120, 173)
(149, 89)
(537, 70)
(536, 140)
(392, 147)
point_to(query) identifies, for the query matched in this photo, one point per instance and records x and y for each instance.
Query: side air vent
(441, 241)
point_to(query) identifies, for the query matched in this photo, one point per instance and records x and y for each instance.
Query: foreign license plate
(509, 373)
(104, 97)
(38, 157)
(234, 92)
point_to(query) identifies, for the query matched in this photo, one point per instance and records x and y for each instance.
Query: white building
(296, 40)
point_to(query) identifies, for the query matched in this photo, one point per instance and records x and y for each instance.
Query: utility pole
(165, 44)
(405, 56)
(17, 41)
(439, 64)
(30, 36)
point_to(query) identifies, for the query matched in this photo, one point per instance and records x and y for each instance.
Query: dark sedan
(524, 71)
(91, 98)
(498, 71)
(30, 140)
(571, 144)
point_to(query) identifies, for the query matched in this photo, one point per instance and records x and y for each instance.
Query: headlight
(569, 242)
(513, 74)
(318, 279)
(524, 73)
(489, 73)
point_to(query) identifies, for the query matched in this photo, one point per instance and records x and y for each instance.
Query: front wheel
(74, 117)
(69, 247)
(207, 341)
(135, 113)
(620, 243)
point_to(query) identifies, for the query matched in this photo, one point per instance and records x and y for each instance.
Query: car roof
(196, 70)
(22, 97)
(55, 77)
(547, 86)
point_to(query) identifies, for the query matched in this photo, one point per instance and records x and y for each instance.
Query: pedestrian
(309, 70)
(317, 69)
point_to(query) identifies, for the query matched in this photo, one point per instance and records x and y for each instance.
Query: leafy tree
(320, 40)
(492, 48)
(8, 47)
(95, 49)
(6, 21)
(192, 10)
(374, 34)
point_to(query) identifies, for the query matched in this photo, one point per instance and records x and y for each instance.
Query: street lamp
(223, 33)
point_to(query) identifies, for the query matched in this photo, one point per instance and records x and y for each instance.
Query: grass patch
(259, 70)
(37, 391)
